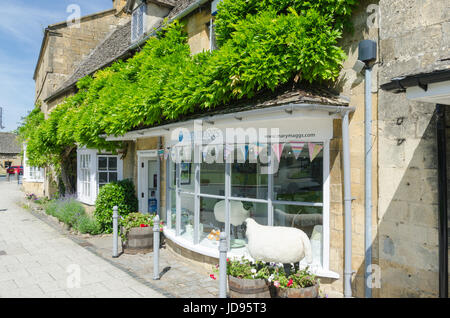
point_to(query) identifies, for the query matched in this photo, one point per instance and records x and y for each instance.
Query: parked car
(15, 169)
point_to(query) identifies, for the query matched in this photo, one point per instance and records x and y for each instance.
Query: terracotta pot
(139, 240)
(248, 288)
(308, 292)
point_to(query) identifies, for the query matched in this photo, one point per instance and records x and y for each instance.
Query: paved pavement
(37, 260)
(41, 257)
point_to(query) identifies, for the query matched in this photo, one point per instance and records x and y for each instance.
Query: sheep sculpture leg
(277, 244)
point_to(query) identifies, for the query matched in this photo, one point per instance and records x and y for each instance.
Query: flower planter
(308, 292)
(248, 288)
(139, 240)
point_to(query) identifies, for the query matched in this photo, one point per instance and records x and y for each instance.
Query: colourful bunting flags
(297, 148)
(278, 150)
(314, 150)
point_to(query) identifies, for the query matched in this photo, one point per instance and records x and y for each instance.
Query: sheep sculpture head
(277, 244)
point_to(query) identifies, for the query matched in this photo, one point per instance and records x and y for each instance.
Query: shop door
(149, 185)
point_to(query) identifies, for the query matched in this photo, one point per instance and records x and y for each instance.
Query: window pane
(187, 177)
(308, 219)
(187, 217)
(300, 173)
(102, 163)
(211, 221)
(212, 178)
(112, 163)
(173, 207)
(112, 177)
(103, 177)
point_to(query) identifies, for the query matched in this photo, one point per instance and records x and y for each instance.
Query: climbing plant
(263, 44)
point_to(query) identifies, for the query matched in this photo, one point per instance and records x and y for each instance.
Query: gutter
(399, 84)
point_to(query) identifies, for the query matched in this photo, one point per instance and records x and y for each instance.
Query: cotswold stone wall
(65, 47)
(351, 85)
(414, 34)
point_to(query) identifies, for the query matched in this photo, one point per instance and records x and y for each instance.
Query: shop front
(271, 165)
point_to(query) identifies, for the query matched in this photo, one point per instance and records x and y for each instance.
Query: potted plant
(299, 283)
(247, 279)
(136, 231)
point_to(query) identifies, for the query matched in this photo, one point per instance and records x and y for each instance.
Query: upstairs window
(137, 23)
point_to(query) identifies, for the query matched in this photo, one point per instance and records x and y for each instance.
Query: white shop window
(31, 174)
(85, 176)
(94, 171)
(295, 195)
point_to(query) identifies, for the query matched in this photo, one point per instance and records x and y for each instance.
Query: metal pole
(223, 248)
(156, 248)
(347, 208)
(115, 252)
(368, 181)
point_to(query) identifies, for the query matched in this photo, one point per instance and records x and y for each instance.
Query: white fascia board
(436, 93)
(278, 112)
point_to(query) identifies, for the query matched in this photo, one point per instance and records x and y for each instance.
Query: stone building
(9, 152)
(408, 241)
(63, 47)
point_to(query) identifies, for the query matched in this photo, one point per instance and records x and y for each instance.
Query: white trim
(326, 207)
(325, 204)
(142, 176)
(93, 173)
(436, 93)
(300, 111)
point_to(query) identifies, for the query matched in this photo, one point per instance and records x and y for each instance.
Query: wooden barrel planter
(307, 292)
(139, 240)
(248, 288)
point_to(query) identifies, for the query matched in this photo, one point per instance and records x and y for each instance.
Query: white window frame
(31, 174)
(322, 270)
(89, 198)
(138, 21)
(119, 169)
(86, 175)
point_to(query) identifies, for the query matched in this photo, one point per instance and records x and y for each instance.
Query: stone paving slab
(101, 274)
(39, 260)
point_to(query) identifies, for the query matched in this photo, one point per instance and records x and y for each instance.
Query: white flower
(270, 278)
(253, 270)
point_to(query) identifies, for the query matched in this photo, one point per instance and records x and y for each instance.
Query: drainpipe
(368, 180)
(442, 190)
(347, 207)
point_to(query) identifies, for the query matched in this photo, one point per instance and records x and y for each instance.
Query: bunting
(297, 148)
(228, 150)
(278, 150)
(314, 150)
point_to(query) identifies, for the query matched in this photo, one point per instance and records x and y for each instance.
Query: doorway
(149, 182)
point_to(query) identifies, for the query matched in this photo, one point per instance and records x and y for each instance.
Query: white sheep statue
(238, 214)
(277, 244)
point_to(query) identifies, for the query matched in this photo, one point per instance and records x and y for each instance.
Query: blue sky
(22, 27)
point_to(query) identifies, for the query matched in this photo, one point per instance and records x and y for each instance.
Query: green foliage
(245, 269)
(263, 45)
(298, 278)
(72, 213)
(135, 220)
(120, 194)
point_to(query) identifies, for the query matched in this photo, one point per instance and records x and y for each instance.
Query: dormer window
(137, 22)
